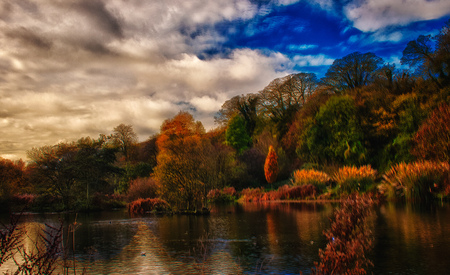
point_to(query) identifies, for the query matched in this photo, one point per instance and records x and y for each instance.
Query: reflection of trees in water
(145, 254)
(413, 237)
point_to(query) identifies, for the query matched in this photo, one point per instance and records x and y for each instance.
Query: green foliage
(236, 134)
(335, 135)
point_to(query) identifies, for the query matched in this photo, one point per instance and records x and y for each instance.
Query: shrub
(140, 206)
(142, 188)
(349, 238)
(436, 129)
(313, 177)
(351, 179)
(222, 195)
(252, 194)
(416, 181)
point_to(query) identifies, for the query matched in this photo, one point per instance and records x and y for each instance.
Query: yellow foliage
(304, 177)
(353, 173)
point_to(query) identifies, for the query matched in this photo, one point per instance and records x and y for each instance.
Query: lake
(264, 238)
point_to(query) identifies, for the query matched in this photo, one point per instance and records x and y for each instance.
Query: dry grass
(313, 177)
(354, 179)
(417, 181)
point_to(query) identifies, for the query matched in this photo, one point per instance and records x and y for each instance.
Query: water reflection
(268, 238)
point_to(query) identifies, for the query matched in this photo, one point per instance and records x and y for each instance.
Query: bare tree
(125, 138)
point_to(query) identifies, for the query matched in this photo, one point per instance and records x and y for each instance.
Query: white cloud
(313, 60)
(372, 15)
(302, 47)
(68, 71)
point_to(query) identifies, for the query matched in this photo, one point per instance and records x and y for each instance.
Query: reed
(310, 177)
(351, 179)
(422, 180)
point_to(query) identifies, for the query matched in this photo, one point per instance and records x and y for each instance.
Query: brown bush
(142, 188)
(140, 206)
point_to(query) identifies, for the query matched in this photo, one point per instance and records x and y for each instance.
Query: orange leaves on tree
(271, 166)
(432, 140)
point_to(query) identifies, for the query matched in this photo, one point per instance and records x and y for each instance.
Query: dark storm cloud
(29, 38)
(96, 11)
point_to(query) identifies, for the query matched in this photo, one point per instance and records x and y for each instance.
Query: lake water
(271, 238)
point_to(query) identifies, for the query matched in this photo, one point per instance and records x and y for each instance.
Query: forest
(365, 127)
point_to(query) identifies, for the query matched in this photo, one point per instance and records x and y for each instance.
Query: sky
(77, 68)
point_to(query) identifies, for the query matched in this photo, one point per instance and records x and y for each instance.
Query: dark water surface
(272, 238)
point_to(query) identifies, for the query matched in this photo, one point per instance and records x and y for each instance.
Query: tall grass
(354, 179)
(421, 180)
(312, 177)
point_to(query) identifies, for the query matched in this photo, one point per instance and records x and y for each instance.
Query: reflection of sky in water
(266, 238)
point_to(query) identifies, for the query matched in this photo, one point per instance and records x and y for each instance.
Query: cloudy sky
(76, 68)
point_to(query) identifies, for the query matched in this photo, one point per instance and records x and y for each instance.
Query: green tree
(236, 134)
(53, 167)
(335, 135)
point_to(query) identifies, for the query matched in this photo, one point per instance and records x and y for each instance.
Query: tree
(244, 105)
(283, 97)
(352, 71)
(52, 167)
(236, 135)
(12, 177)
(125, 137)
(186, 166)
(432, 140)
(334, 135)
(271, 166)
(71, 170)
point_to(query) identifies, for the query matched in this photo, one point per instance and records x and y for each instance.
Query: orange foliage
(432, 140)
(140, 206)
(283, 193)
(271, 166)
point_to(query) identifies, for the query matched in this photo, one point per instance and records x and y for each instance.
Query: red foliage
(271, 166)
(349, 238)
(283, 193)
(432, 140)
(222, 195)
(140, 206)
(142, 188)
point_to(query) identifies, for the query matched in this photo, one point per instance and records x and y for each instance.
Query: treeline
(363, 112)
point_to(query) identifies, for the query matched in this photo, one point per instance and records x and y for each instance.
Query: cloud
(313, 60)
(373, 15)
(302, 47)
(79, 68)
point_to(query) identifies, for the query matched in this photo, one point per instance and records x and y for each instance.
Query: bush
(312, 177)
(252, 194)
(417, 181)
(349, 238)
(142, 188)
(352, 179)
(141, 206)
(227, 194)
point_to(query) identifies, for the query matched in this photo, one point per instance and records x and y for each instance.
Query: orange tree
(432, 140)
(271, 166)
(187, 163)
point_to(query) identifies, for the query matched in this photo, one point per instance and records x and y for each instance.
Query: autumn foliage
(141, 206)
(432, 140)
(349, 238)
(271, 166)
